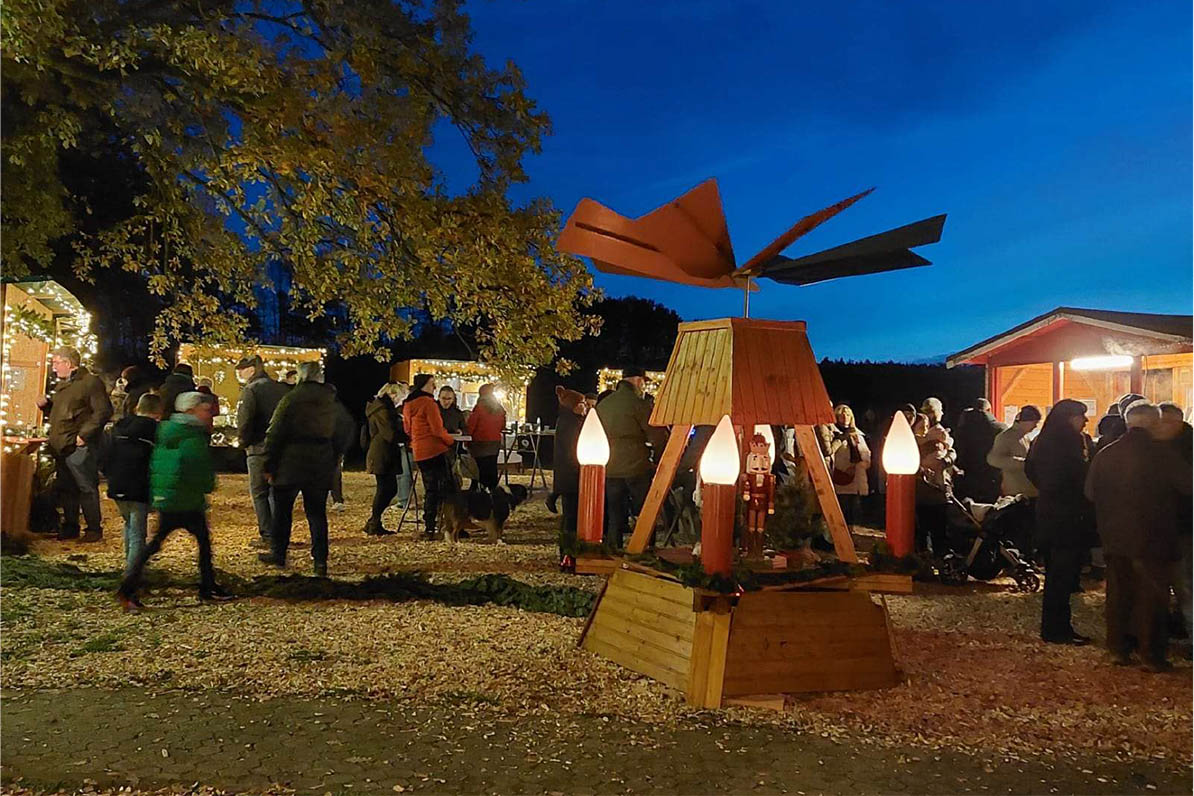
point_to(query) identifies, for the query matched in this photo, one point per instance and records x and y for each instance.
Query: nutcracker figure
(758, 490)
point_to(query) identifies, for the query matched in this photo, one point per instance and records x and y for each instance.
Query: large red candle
(901, 460)
(719, 467)
(592, 453)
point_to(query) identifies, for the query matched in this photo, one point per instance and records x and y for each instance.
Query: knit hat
(633, 372)
(419, 382)
(569, 399)
(249, 361)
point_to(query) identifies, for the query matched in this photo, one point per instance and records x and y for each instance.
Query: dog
(479, 509)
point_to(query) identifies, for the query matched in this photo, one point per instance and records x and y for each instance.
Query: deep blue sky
(1056, 135)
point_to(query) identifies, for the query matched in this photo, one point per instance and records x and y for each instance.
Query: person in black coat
(977, 429)
(180, 380)
(384, 457)
(451, 412)
(128, 472)
(566, 475)
(308, 433)
(1056, 465)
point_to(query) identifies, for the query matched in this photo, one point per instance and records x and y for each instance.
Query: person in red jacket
(485, 425)
(431, 445)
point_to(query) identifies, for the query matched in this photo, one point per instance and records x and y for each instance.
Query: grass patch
(33, 572)
(104, 642)
(306, 656)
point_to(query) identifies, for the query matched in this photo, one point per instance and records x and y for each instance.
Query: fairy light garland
(608, 378)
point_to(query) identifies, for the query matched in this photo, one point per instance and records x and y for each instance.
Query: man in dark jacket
(977, 429)
(624, 416)
(77, 412)
(566, 476)
(180, 380)
(258, 400)
(128, 472)
(1138, 485)
(308, 433)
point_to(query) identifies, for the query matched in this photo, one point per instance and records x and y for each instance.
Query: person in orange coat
(431, 445)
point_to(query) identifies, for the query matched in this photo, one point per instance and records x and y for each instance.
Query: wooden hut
(1093, 356)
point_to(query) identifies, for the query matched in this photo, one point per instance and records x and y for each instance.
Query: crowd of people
(1119, 501)
(152, 442)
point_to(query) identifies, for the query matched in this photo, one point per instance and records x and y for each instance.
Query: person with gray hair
(259, 398)
(1138, 485)
(77, 413)
(307, 434)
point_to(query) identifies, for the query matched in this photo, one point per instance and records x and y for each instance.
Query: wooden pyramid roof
(756, 371)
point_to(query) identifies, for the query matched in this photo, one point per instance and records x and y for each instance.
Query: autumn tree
(291, 130)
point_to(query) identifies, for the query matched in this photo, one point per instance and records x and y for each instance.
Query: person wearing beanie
(259, 397)
(485, 425)
(431, 445)
(1010, 451)
(181, 476)
(180, 380)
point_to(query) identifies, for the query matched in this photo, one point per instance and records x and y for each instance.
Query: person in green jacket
(624, 415)
(181, 476)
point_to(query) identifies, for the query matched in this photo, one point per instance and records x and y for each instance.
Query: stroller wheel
(1027, 581)
(952, 571)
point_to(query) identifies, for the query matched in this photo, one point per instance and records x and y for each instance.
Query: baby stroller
(984, 541)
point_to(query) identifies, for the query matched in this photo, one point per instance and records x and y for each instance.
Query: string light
(608, 378)
(476, 373)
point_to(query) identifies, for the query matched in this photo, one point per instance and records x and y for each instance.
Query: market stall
(218, 363)
(38, 316)
(1092, 356)
(466, 378)
(608, 378)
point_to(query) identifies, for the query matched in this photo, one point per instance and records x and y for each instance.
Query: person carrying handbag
(849, 458)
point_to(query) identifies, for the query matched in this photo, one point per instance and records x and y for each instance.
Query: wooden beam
(661, 484)
(843, 543)
(1058, 382)
(1136, 375)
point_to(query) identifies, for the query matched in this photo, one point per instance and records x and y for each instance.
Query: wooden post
(707, 666)
(1136, 376)
(661, 484)
(1058, 383)
(843, 544)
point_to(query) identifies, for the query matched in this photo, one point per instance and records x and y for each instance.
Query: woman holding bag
(849, 459)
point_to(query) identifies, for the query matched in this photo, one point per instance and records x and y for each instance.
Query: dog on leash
(479, 509)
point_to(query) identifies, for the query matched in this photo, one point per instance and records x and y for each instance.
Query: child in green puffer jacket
(180, 477)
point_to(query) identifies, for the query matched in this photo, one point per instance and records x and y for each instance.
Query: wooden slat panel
(610, 631)
(627, 658)
(779, 606)
(610, 622)
(650, 586)
(671, 624)
(700, 346)
(779, 646)
(718, 646)
(723, 378)
(698, 666)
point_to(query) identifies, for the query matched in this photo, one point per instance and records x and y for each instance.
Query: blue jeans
(405, 479)
(136, 523)
(78, 488)
(260, 491)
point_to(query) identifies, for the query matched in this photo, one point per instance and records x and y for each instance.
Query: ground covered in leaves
(428, 623)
